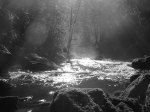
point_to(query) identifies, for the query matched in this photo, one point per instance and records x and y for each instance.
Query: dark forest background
(30, 27)
(117, 29)
(120, 29)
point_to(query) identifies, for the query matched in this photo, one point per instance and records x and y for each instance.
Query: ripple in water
(85, 72)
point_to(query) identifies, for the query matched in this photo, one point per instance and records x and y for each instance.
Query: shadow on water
(46, 92)
(108, 86)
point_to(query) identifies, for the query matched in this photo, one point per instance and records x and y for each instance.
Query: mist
(98, 20)
(113, 28)
(110, 28)
(47, 46)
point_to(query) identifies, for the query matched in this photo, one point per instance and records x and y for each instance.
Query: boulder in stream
(124, 108)
(125, 104)
(35, 63)
(138, 88)
(73, 100)
(141, 63)
(81, 100)
(134, 77)
(91, 100)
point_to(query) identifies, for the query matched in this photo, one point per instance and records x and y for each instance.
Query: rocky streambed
(83, 73)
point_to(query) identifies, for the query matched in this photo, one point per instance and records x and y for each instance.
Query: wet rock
(117, 93)
(8, 104)
(137, 89)
(91, 100)
(141, 63)
(97, 95)
(134, 77)
(73, 100)
(123, 107)
(147, 100)
(100, 98)
(5, 88)
(35, 63)
(82, 100)
(129, 102)
(59, 58)
(5, 60)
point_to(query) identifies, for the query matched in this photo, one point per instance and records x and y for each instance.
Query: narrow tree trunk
(71, 29)
(70, 36)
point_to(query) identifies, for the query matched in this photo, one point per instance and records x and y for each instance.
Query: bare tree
(71, 28)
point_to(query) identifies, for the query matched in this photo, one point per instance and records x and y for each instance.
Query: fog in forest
(74, 55)
(116, 29)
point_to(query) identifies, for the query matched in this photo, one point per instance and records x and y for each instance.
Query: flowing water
(83, 73)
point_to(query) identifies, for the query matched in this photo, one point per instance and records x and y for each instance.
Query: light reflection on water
(72, 74)
(83, 73)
